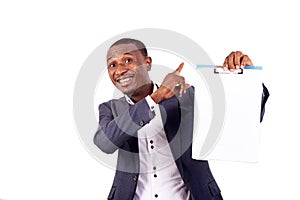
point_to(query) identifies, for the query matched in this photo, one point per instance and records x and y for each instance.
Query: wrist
(156, 97)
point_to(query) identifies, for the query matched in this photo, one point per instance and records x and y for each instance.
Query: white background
(44, 44)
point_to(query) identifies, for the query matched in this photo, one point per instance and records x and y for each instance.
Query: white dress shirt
(159, 176)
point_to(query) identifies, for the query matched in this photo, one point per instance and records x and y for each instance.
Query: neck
(142, 92)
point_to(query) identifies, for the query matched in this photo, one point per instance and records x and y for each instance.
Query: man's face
(128, 68)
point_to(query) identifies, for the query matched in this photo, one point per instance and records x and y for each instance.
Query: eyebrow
(127, 53)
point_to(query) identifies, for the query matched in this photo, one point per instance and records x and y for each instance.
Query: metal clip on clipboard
(220, 70)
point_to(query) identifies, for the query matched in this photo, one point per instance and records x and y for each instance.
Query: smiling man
(128, 68)
(152, 128)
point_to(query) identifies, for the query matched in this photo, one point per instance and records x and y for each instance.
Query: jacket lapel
(170, 114)
(171, 117)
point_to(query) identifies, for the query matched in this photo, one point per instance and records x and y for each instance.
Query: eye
(128, 61)
(111, 65)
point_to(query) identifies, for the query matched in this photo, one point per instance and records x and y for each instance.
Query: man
(152, 128)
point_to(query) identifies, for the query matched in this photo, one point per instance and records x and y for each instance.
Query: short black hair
(140, 45)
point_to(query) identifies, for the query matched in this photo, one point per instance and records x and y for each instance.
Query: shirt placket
(153, 176)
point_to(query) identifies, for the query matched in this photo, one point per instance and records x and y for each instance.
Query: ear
(149, 63)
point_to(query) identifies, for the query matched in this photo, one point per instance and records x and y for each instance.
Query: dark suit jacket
(118, 126)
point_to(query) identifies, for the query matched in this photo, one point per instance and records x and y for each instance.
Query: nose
(121, 69)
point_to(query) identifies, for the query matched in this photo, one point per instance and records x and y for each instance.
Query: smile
(124, 79)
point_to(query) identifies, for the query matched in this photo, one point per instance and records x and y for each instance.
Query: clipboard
(228, 130)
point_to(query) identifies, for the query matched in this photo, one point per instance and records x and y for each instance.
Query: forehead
(121, 49)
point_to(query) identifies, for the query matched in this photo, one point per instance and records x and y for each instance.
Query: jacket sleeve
(117, 125)
(265, 96)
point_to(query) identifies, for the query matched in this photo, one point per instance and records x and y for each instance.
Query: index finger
(178, 70)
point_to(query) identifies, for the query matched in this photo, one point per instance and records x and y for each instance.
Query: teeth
(124, 80)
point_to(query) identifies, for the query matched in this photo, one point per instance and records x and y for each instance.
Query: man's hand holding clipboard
(236, 60)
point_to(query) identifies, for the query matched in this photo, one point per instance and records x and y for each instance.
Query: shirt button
(156, 195)
(151, 141)
(152, 147)
(155, 175)
(135, 178)
(141, 123)
(154, 168)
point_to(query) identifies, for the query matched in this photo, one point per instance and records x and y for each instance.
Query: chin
(128, 92)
